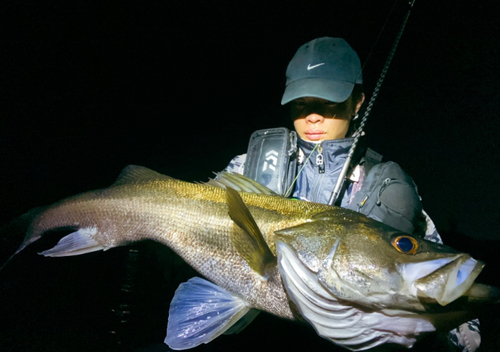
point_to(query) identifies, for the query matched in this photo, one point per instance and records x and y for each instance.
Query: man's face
(317, 119)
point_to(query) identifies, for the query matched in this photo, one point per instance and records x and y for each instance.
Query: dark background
(90, 87)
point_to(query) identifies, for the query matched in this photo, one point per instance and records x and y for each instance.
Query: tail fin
(13, 237)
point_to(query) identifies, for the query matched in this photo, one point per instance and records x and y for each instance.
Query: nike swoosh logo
(309, 67)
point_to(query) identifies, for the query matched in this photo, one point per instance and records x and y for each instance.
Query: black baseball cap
(326, 68)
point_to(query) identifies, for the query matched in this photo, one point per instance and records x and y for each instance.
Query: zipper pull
(320, 160)
(382, 188)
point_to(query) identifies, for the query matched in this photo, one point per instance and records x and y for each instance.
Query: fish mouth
(442, 280)
(338, 321)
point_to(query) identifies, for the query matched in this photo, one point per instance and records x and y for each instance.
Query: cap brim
(334, 91)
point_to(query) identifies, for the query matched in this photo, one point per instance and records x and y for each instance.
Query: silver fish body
(191, 219)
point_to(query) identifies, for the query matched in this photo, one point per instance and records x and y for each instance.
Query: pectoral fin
(250, 244)
(201, 311)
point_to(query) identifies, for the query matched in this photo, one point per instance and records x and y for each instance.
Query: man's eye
(299, 103)
(330, 103)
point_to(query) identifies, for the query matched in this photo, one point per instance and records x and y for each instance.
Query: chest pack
(272, 159)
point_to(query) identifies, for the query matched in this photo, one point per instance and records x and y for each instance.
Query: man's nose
(314, 118)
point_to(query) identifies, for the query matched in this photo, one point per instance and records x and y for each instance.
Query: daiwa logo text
(271, 160)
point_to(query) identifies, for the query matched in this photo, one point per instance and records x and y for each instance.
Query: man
(324, 93)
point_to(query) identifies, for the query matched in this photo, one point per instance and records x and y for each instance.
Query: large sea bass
(358, 282)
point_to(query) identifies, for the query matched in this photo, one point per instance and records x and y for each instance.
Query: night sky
(90, 87)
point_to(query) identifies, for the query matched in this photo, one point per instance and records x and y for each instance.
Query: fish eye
(405, 244)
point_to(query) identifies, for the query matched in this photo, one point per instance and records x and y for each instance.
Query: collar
(328, 145)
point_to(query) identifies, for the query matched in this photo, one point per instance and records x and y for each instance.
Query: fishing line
(302, 168)
(377, 39)
(343, 173)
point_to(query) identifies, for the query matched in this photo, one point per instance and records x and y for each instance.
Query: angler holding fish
(324, 92)
(366, 272)
(363, 275)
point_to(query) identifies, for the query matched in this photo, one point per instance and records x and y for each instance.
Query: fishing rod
(359, 131)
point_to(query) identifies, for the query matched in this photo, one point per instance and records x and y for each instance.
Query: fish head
(367, 263)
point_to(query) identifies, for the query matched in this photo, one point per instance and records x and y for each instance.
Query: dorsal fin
(138, 174)
(250, 244)
(239, 183)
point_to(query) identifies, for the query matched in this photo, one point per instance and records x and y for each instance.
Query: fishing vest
(308, 171)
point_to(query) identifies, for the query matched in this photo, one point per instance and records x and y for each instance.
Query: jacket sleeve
(429, 229)
(237, 164)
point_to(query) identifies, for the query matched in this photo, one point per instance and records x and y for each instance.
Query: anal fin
(76, 243)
